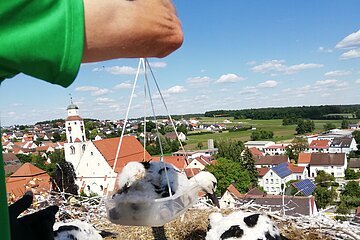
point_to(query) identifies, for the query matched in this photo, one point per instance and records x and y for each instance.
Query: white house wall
(227, 200)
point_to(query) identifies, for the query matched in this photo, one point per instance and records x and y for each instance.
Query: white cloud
(251, 63)
(325, 50)
(158, 64)
(249, 90)
(357, 81)
(337, 73)
(279, 66)
(86, 89)
(268, 84)
(326, 82)
(104, 100)
(11, 113)
(349, 41)
(100, 92)
(198, 81)
(229, 78)
(123, 86)
(175, 90)
(354, 53)
(121, 70)
(325, 95)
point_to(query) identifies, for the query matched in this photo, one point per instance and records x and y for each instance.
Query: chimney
(210, 143)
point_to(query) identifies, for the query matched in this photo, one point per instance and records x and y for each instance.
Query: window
(271, 180)
(72, 150)
(88, 187)
(277, 180)
(83, 148)
(71, 139)
(267, 180)
(101, 187)
(83, 138)
(69, 129)
(82, 128)
(75, 123)
(91, 153)
(313, 174)
(271, 174)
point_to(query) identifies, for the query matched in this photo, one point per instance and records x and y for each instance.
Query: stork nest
(193, 225)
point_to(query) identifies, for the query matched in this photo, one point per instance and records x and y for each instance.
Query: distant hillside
(308, 112)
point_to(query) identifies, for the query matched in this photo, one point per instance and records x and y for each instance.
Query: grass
(281, 133)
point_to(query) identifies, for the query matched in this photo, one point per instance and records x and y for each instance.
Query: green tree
(350, 174)
(62, 173)
(200, 145)
(24, 158)
(261, 134)
(229, 172)
(345, 124)
(182, 128)
(305, 126)
(93, 134)
(297, 146)
(248, 163)
(149, 126)
(230, 149)
(329, 126)
(325, 192)
(175, 145)
(356, 135)
(57, 137)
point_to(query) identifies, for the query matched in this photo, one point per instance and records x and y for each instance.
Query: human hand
(35, 226)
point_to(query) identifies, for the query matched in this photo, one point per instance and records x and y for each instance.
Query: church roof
(131, 150)
(72, 106)
(73, 118)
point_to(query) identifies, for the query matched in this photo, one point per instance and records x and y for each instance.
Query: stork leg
(159, 233)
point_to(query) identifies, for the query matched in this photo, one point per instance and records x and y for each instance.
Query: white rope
(157, 132)
(126, 119)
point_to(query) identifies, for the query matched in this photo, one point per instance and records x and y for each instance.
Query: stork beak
(214, 199)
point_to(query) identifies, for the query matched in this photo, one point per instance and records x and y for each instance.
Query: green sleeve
(41, 38)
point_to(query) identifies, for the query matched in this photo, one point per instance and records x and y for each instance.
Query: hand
(137, 28)
(35, 226)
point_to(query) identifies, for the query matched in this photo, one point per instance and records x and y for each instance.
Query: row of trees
(305, 112)
(261, 135)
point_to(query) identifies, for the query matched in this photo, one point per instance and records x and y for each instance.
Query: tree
(175, 145)
(62, 173)
(345, 124)
(350, 174)
(200, 145)
(93, 134)
(325, 192)
(57, 137)
(261, 134)
(229, 172)
(356, 135)
(329, 126)
(248, 163)
(182, 128)
(230, 149)
(24, 158)
(305, 126)
(149, 126)
(297, 146)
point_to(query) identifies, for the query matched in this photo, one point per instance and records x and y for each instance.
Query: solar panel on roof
(282, 170)
(305, 186)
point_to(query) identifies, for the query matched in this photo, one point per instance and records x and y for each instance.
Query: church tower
(75, 135)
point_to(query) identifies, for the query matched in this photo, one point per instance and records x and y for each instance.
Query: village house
(274, 178)
(332, 163)
(27, 177)
(270, 161)
(343, 145)
(229, 198)
(354, 164)
(194, 154)
(172, 136)
(276, 149)
(200, 162)
(259, 144)
(319, 146)
(11, 163)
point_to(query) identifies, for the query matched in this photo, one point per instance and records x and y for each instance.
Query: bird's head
(131, 173)
(207, 183)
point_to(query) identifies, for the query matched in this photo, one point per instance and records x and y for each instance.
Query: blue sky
(236, 55)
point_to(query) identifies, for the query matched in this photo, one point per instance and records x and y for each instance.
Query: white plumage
(76, 230)
(242, 225)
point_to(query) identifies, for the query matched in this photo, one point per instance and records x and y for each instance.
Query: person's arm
(126, 29)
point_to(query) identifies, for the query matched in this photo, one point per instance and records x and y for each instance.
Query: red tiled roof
(233, 191)
(327, 159)
(77, 140)
(323, 144)
(190, 172)
(296, 169)
(178, 161)
(28, 170)
(276, 147)
(271, 160)
(131, 150)
(256, 152)
(262, 171)
(255, 192)
(73, 118)
(304, 158)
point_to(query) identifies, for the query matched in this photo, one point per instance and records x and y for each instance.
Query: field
(281, 133)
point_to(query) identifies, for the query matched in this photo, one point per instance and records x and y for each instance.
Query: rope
(157, 132)
(126, 119)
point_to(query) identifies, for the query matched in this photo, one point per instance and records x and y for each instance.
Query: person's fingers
(21, 205)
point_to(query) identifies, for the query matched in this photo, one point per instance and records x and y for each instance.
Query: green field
(281, 133)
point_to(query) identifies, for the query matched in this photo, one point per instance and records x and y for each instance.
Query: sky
(236, 54)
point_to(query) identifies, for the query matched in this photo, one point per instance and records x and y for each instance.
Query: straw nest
(193, 225)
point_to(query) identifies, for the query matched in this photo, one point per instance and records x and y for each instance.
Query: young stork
(242, 225)
(78, 230)
(153, 180)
